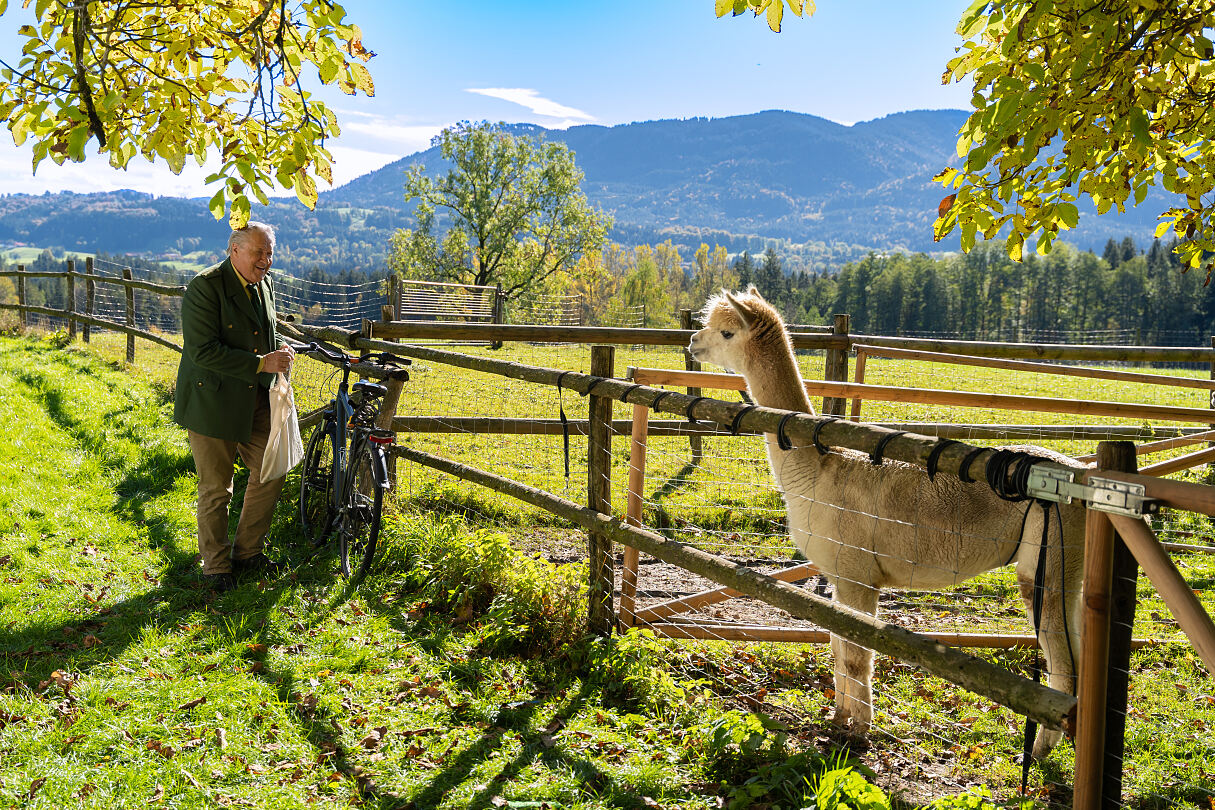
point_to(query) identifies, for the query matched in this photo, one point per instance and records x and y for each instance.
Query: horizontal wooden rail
(799, 428)
(1163, 444)
(76, 316)
(150, 286)
(419, 330)
(682, 427)
(683, 604)
(1170, 584)
(807, 635)
(1039, 368)
(176, 290)
(1041, 703)
(930, 396)
(1047, 351)
(1180, 463)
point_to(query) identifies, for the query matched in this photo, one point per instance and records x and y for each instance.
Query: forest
(1123, 295)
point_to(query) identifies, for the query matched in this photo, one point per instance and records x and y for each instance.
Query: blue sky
(560, 64)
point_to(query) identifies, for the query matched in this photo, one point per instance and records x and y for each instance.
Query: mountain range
(821, 192)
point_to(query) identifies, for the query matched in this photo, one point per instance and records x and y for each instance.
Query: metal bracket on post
(1102, 494)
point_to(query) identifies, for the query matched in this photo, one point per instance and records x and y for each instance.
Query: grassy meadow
(458, 676)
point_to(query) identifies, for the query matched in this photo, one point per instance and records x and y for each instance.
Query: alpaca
(868, 527)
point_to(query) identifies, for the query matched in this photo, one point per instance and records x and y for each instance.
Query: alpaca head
(741, 331)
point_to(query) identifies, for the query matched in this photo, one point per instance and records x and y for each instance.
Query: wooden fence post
(126, 275)
(22, 315)
(696, 442)
(388, 405)
(835, 369)
(394, 298)
(1100, 649)
(71, 299)
(1123, 581)
(601, 577)
(90, 294)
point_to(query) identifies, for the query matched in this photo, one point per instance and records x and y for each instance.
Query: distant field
(27, 255)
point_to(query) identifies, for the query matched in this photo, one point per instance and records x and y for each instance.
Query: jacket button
(200, 385)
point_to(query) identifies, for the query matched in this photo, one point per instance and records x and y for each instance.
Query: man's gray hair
(241, 235)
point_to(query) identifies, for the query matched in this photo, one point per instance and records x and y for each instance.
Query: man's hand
(279, 361)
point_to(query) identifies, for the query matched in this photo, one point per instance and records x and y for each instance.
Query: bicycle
(345, 469)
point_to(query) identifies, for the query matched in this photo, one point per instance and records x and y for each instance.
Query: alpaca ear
(753, 290)
(741, 309)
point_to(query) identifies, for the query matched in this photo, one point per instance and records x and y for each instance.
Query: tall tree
(513, 211)
(171, 81)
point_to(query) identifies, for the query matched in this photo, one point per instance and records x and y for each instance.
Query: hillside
(826, 192)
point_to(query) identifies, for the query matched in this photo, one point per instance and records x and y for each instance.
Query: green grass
(457, 676)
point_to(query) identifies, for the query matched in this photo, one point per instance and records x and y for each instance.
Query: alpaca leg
(1058, 626)
(854, 663)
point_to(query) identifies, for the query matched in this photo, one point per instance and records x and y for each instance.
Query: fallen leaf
(192, 704)
(34, 786)
(374, 738)
(258, 649)
(91, 640)
(221, 739)
(164, 749)
(159, 794)
(256, 667)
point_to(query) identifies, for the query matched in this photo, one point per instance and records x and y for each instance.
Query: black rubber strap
(818, 445)
(659, 398)
(746, 397)
(935, 456)
(565, 424)
(688, 410)
(876, 455)
(782, 441)
(964, 467)
(625, 396)
(594, 381)
(738, 418)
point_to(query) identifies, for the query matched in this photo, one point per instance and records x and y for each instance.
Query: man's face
(252, 257)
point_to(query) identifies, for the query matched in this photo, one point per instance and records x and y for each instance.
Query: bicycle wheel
(316, 486)
(359, 525)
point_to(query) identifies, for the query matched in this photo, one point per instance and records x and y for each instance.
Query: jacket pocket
(206, 383)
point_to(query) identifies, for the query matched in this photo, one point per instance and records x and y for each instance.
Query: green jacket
(222, 338)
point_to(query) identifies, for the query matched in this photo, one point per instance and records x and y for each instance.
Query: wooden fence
(86, 320)
(1096, 717)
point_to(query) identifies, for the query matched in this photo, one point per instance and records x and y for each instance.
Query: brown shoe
(257, 565)
(219, 583)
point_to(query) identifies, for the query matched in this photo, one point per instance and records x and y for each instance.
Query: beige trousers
(214, 460)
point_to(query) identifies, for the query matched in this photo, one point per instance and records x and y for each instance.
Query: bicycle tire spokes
(360, 518)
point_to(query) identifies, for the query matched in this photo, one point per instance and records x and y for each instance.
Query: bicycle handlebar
(343, 358)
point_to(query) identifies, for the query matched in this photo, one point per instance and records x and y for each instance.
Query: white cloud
(404, 139)
(526, 97)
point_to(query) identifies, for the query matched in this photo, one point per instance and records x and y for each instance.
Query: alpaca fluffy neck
(774, 379)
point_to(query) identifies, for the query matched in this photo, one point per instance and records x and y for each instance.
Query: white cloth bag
(284, 448)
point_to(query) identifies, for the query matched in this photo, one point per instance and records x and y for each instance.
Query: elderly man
(230, 355)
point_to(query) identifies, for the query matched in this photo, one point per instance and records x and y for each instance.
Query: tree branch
(79, 28)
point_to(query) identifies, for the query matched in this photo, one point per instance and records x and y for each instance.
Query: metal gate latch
(1102, 494)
